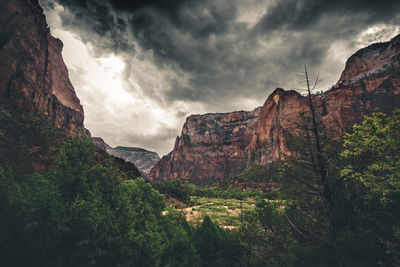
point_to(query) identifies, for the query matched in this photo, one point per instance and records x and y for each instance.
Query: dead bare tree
(312, 173)
(321, 161)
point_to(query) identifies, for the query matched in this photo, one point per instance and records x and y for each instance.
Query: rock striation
(370, 82)
(211, 148)
(33, 74)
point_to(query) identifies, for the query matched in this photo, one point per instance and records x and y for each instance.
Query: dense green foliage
(174, 188)
(372, 150)
(25, 139)
(79, 213)
(332, 207)
(82, 213)
(256, 173)
(349, 218)
(183, 191)
(226, 193)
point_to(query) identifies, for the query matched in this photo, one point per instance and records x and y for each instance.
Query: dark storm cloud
(299, 15)
(220, 54)
(180, 32)
(95, 21)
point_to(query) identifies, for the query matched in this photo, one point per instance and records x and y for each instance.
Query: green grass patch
(226, 212)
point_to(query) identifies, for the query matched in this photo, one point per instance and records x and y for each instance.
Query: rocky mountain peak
(223, 145)
(371, 60)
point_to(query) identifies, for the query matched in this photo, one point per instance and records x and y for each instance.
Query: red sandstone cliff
(33, 74)
(210, 146)
(370, 81)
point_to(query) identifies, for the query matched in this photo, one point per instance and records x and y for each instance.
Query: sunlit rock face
(370, 82)
(277, 119)
(33, 75)
(210, 146)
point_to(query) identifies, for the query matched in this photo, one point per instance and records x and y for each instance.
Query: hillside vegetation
(83, 211)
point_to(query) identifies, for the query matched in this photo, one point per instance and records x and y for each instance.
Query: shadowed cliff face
(370, 82)
(210, 146)
(33, 74)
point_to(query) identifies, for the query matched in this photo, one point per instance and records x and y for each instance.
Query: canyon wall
(210, 145)
(33, 75)
(370, 82)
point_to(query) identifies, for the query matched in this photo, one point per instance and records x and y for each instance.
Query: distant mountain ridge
(370, 82)
(135, 149)
(143, 159)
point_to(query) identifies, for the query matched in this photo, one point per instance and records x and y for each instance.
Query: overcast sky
(141, 67)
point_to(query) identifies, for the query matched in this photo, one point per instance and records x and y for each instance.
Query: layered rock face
(210, 146)
(33, 74)
(143, 159)
(370, 82)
